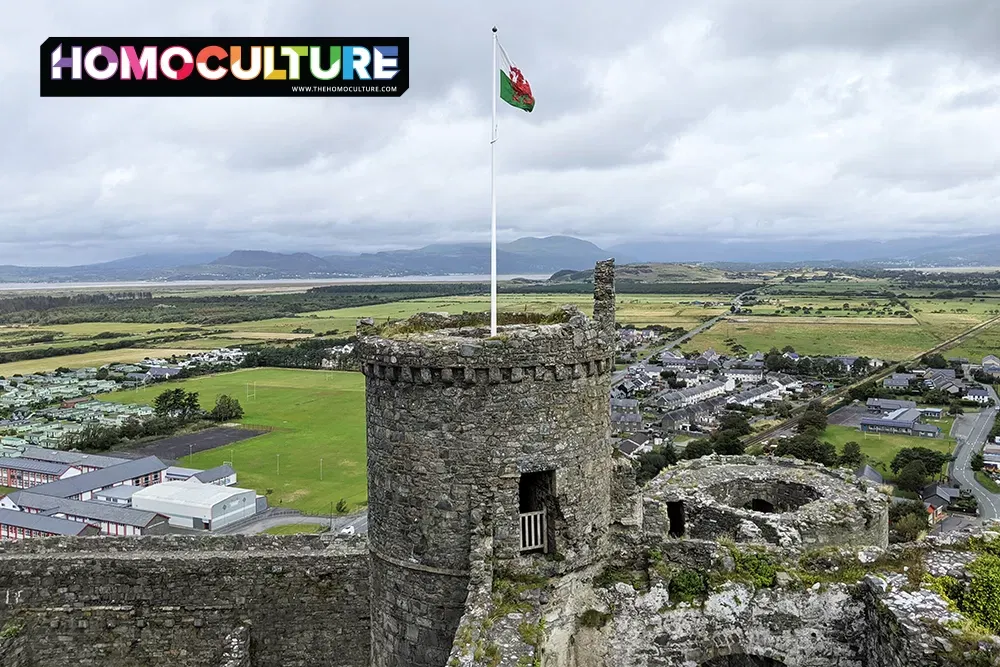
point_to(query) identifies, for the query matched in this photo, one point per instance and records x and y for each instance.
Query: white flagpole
(494, 93)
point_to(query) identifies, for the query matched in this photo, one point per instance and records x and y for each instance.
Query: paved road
(971, 432)
(359, 521)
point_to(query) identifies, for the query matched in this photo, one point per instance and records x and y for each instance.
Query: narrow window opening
(675, 513)
(536, 491)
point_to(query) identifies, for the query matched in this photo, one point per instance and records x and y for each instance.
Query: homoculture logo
(224, 67)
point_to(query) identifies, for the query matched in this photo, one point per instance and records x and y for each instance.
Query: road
(971, 432)
(359, 521)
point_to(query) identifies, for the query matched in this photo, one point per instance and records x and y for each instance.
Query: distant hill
(651, 273)
(670, 260)
(299, 262)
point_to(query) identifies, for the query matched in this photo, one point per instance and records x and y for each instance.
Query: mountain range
(525, 256)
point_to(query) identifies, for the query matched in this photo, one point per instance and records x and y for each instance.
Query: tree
(934, 361)
(852, 456)
(190, 407)
(102, 374)
(933, 461)
(698, 448)
(807, 447)
(814, 418)
(226, 408)
(652, 462)
(342, 506)
(735, 422)
(860, 365)
(788, 349)
(727, 443)
(956, 408)
(666, 374)
(977, 462)
(913, 477)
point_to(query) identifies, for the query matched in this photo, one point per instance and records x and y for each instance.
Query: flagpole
(494, 93)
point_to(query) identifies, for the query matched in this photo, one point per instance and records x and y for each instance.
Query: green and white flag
(514, 88)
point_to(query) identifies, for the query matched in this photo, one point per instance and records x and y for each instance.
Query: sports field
(316, 454)
(881, 449)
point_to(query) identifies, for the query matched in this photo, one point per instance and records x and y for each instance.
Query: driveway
(970, 432)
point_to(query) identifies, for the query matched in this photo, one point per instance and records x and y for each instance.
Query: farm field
(881, 449)
(890, 339)
(978, 346)
(90, 359)
(639, 310)
(317, 415)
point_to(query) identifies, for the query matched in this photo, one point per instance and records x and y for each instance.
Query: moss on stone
(593, 618)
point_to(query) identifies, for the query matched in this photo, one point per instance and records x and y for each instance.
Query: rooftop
(97, 479)
(95, 511)
(188, 493)
(41, 523)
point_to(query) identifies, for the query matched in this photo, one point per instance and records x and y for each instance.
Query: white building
(195, 505)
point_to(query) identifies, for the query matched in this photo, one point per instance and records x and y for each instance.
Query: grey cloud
(739, 119)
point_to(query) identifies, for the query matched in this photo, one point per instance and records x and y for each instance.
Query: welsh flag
(514, 88)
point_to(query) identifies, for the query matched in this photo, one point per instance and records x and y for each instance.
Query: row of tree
(174, 409)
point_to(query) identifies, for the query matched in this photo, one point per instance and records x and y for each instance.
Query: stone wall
(136, 602)
(15, 652)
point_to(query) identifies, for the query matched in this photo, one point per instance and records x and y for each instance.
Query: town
(667, 405)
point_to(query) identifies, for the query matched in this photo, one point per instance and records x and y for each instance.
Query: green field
(987, 482)
(318, 415)
(4, 490)
(891, 339)
(881, 449)
(295, 529)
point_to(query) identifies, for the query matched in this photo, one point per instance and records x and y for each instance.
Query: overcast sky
(730, 118)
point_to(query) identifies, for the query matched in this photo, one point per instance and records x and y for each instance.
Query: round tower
(464, 429)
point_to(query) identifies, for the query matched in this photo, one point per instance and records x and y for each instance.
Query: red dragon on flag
(522, 89)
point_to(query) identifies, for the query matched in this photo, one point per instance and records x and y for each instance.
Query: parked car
(347, 531)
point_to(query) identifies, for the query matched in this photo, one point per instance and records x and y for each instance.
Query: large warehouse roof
(188, 493)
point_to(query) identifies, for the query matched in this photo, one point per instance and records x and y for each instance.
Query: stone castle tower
(469, 433)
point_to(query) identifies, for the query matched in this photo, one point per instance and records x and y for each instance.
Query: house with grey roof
(20, 473)
(140, 472)
(899, 381)
(887, 405)
(869, 473)
(85, 462)
(991, 364)
(109, 518)
(904, 421)
(978, 395)
(16, 525)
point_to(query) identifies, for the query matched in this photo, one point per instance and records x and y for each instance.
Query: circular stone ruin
(784, 502)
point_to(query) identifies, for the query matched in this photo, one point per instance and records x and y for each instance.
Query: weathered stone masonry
(457, 421)
(182, 601)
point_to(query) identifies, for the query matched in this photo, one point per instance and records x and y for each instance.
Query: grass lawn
(89, 360)
(882, 449)
(318, 415)
(988, 482)
(4, 490)
(295, 529)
